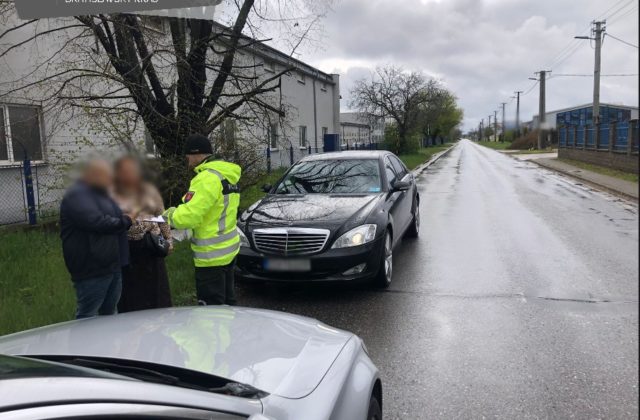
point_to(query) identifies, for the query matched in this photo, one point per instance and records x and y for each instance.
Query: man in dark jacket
(92, 229)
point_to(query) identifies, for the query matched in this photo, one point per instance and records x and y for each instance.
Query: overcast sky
(483, 50)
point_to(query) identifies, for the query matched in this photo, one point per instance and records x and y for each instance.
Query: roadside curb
(586, 181)
(418, 170)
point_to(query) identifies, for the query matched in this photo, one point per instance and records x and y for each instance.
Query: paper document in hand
(158, 219)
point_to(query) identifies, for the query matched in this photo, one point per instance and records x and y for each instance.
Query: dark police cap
(197, 144)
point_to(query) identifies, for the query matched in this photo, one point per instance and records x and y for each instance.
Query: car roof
(347, 154)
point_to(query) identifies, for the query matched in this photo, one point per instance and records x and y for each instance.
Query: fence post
(575, 135)
(268, 160)
(290, 155)
(612, 136)
(309, 149)
(28, 185)
(629, 137)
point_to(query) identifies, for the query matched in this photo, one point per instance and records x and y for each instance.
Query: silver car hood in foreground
(284, 355)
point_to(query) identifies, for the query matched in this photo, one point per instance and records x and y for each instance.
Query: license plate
(297, 265)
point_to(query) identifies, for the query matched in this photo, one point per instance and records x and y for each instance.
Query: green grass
(35, 288)
(534, 151)
(495, 144)
(254, 193)
(413, 160)
(627, 176)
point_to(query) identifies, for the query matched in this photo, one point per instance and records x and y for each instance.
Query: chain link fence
(30, 193)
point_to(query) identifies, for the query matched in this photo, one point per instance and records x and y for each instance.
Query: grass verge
(496, 145)
(35, 288)
(413, 160)
(254, 193)
(626, 176)
(534, 151)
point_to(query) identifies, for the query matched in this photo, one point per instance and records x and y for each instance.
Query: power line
(613, 14)
(573, 43)
(531, 88)
(621, 40)
(604, 14)
(591, 75)
(568, 55)
(627, 13)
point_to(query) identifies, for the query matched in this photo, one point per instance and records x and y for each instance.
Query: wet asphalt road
(519, 299)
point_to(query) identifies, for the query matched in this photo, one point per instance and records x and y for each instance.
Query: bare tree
(119, 67)
(392, 92)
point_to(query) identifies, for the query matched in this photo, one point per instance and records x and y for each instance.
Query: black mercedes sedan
(331, 217)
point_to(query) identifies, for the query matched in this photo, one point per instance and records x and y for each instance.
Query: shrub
(526, 142)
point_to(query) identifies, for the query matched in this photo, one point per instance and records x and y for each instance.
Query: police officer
(210, 209)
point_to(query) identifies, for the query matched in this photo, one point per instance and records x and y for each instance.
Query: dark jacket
(92, 230)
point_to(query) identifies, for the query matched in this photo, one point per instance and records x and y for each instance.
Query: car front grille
(290, 241)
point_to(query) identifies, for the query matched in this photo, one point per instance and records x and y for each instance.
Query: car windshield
(340, 176)
(22, 367)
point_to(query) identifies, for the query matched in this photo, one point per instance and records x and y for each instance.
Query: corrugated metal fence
(622, 137)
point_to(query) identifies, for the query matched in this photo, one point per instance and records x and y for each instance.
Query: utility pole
(503, 126)
(495, 125)
(597, 30)
(489, 127)
(482, 129)
(542, 108)
(518, 92)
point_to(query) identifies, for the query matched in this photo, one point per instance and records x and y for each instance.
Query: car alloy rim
(388, 259)
(416, 217)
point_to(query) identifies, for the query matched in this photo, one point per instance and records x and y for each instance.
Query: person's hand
(170, 249)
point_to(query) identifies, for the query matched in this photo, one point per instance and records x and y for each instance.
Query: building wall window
(273, 135)
(155, 23)
(229, 131)
(303, 135)
(302, 78)
(4, 151)
(20, 133)
(149, 145)
(270, 66)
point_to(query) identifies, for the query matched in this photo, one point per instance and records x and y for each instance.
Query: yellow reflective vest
(210, 210)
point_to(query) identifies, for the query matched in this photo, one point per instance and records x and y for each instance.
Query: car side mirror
(267, 187)
(401, 186)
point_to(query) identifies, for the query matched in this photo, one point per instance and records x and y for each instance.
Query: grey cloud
(483, 50)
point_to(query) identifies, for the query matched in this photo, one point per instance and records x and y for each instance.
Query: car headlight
(244, 242)
(356, 237)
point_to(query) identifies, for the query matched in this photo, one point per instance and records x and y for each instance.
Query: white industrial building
(359, 130)
(28, 121)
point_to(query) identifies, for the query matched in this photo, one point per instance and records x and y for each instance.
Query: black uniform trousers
(216, 285)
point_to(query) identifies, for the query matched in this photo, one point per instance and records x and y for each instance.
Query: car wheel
(375, 411)
(385, 272)
(414, 229)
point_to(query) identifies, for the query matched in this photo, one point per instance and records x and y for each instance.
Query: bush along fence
(614, 144)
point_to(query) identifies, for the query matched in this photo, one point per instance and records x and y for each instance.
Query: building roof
(265, 51)
(590, 104)
(348, 154)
